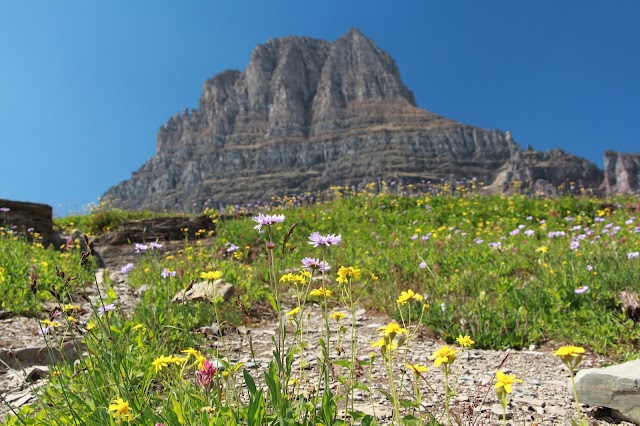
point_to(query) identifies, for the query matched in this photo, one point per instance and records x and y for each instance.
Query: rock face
(307, 114)
(621, 173)
(616, 387)
(25, 216)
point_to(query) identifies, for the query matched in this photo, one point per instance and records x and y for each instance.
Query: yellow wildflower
(161, 362)
(338, 316)
(570, 355)
(464, 340)
(406, 296)
(91, 326)
(416, 368)
(344, 273)
(391, 329)
(121, 410)
(320, 292)
(444, 355)
(137, 326)
(504, 381)
(542, 249)
(293, 311)
(211, 275)
(374, 277)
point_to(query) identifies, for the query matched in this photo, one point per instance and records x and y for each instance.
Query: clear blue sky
(85, 85)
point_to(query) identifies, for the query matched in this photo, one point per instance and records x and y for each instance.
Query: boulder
(23, 216)
(205, 290)
(616, 387)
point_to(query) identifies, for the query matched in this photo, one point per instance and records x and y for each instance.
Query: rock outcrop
(307, 114)
(616, 387)
(621, 173)
(28, 219)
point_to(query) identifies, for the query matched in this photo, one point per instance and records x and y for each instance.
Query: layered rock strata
(307, 114)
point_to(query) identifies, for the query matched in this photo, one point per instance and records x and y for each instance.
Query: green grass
(517, 293)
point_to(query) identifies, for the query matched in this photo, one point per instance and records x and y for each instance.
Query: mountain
(307, 114)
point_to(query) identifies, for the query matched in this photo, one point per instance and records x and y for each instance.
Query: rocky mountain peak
(306, 114)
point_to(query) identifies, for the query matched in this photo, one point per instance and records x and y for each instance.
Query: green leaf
(409, 404)
(248, 380)
(362, 387)
(389, 397)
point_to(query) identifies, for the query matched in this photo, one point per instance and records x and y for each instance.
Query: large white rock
(205, 290)
(616, 387)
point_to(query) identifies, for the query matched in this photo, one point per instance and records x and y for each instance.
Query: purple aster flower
(155, 245)
(166, 273)
(426, 237)
(106, 308)
(414, 237)
(582, 289)
(30, 230)
(598, 219)
(630, 221)
(478, 241)
(514, 232)
(232, 247)
(45, 330)
(126, 268)
(315, 264)
(324, 240)
(574, 245)
(529, 217)
(633, 255)
(423, 265)
(495, 244)
(529, 232)
(141, 247)
(589, 268)
(543, 221)
(267, 220)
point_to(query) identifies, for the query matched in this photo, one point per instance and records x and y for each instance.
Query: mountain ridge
(307, 114)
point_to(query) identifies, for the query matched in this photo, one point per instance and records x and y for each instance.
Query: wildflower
(121, 410)
(422, 265)
(581, 289)
(106, 308)
(315, 264)
(232, 247)
(299, 279)
(345, 273)
(338, 316)
(529, 232)
(155, 245)
(137, 327)
(384, 344)
(514, 232)
(141, 247)
(324, 240)
(574, 245)
(408, 295)
(444, 355)
(495, 245)
(416, 368)
(374, 277)
(161, 362)
(633, 255)
(267, 220)
(392, 329)
(293, 312)
(589, 268)
(504, 382)
(542, 249)
(320, 292)
(570, 354)
(166, 273)
(464, 340)
(70, 307)
(205, 374)
(91, 326)
(211, 275)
